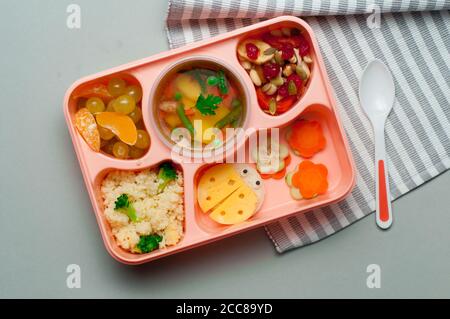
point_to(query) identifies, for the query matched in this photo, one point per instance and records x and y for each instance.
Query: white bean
(255, 77)
(307, 59)
(287, 70)
(246, 65)
(269, 88)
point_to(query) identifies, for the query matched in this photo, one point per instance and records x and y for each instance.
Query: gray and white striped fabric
(413, 40)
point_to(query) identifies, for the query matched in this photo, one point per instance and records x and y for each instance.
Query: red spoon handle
(384, 215)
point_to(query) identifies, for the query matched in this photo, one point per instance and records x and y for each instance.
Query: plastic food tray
(317, 103)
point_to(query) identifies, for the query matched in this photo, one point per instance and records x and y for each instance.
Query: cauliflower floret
(159, 219)
(116, 219)
(144, 228)
(126, 237)
(172, 234)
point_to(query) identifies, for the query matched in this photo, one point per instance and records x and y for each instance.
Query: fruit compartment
(97, 89)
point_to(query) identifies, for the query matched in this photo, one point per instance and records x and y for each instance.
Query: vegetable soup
(204, 99)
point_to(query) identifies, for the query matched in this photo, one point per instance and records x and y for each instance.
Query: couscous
(144, 209)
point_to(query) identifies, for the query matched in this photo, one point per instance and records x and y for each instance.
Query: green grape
(105, 134)
(136, 152)
(136, 115)
(110, 106)
(120, 150)
(134, 91)
(81, 102)
(108, 148)
(124, 104)
(143, 140)
(140, 125)
(116, 86)
(95, 105)
(103, 144)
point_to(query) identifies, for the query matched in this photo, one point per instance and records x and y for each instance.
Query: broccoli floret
(123, 204)
(149, 243)
(166, 174)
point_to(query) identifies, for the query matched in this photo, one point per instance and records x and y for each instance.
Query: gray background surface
(46, 216)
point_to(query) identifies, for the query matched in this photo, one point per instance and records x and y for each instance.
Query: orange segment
(93, 90)
(310, 179)
(86, 125)
(120, 124)
(306, 138)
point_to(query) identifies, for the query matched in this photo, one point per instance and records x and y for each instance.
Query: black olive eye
(257, 184)
(244, 172)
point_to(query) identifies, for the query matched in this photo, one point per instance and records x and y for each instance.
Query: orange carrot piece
(169, 92)
(287, 160)
(227, 99)
(214, 90)
(280, 174)
(310, 179)
(306, 138)
(189, 111)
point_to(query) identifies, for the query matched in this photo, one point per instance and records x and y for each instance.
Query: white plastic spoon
(377, 94)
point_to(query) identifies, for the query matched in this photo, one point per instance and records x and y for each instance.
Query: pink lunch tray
(317, 103)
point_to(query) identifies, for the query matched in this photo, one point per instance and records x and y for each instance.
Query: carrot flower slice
(310, 179)
(306, 138)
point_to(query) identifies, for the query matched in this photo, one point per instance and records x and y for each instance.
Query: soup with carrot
(204, 100)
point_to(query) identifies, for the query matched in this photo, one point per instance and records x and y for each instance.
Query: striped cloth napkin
(413, 39)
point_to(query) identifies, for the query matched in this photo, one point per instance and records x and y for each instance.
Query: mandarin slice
(87, 127)
(92, 90)
(120, 124)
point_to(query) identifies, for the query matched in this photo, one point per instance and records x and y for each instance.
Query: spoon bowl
(377, 89)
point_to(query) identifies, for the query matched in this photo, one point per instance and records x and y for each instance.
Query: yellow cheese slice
(216, 184)
(240, 206)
